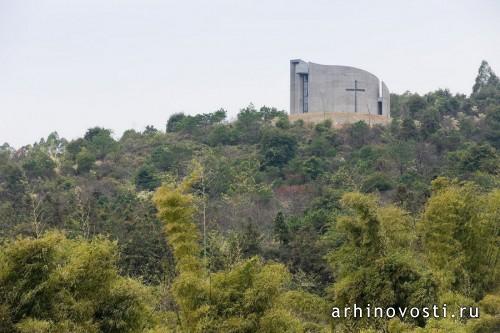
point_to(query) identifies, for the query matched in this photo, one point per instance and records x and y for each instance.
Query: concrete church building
(340, 93)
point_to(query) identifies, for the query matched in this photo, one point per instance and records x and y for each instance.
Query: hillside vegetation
(258, 224)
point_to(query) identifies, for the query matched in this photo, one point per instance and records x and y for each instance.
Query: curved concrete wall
(386, 100)
(316, 88)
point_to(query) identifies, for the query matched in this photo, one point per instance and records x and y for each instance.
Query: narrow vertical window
(305, 93)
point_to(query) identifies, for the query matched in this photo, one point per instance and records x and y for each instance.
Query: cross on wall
(355, 89)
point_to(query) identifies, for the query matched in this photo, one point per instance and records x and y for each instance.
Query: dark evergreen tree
(281, 231)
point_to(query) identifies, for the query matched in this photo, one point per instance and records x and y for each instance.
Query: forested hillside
(258, 224)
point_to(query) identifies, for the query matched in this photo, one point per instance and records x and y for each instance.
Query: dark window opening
(380, 108)
(305, 93)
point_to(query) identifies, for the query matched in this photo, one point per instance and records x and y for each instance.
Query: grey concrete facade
(318, 88)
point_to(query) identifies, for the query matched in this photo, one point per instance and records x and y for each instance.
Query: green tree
(485, 77)
(408, 129)
(248, 125)
(367, 271)
(460, 234)
(492, 126)
(194, 125)
(416, 104)
(174, 122)
(53, 284)
(486, 90)
(100, 142)
(38, 164)
(150, 130)
(277, 148)
(474, 158)
(85, 160)
(222, 135)
(430, 122)
(245, 298)
(281, 231)
(146, 179)
(162, 158)
(358, 134)
(377, 182)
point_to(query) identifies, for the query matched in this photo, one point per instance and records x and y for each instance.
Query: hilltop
(271, 188)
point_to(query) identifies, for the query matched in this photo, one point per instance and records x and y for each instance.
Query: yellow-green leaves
(176, 209)
(54, 284)
(249, 296)
(397, 228)
(459, 230)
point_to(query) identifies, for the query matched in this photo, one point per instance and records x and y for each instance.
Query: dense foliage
(258, 224)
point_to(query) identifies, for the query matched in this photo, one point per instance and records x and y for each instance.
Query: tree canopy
(258, 224)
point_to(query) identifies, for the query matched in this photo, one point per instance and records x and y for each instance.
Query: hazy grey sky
(68, 65)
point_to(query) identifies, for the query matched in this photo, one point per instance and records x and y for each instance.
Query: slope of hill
(414, 206)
